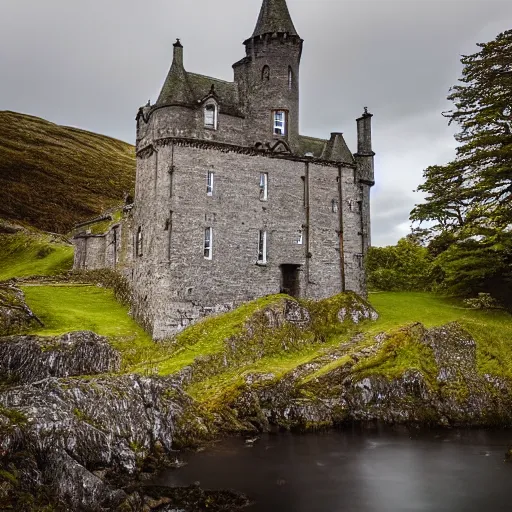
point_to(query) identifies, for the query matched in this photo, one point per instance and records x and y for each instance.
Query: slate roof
(176, 88)
(310, 145)
(337, 150)
(274, 17)
(226, 92)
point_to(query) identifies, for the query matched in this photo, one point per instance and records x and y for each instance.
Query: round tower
(268, 77)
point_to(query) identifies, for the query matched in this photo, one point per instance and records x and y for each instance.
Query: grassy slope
(66, 308)
(52, 177)
(29, 253)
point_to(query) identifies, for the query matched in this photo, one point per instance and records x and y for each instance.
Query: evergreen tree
(469, 200)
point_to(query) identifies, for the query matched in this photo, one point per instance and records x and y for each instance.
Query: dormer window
(279, 122)
(210, 116)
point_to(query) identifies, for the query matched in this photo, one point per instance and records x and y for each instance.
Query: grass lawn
(491, 329)
(91, 308)
(31, 254)
(70, 307)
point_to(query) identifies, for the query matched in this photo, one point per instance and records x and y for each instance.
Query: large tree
(469, 201)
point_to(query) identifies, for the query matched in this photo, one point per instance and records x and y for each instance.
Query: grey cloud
(92, 64)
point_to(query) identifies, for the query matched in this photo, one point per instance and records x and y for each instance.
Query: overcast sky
(92, 63)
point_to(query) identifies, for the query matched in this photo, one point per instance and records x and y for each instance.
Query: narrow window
(209, 184)
(210, 117)
(335, 205)
(265, 74)
(290, 78)
(208, 243)
(138, 242)
(279, 122)
(300, 240)
(303, 178)
(263, 186)
(168, 228)
(262, 247)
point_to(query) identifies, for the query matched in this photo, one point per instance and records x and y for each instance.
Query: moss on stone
(401, 351)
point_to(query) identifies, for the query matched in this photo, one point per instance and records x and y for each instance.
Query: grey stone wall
(326, 197)
(174, 284)
(112, 249)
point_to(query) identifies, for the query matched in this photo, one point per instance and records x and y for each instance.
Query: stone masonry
(231, 202)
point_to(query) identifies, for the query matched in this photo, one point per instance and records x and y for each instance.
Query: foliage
(29, 253)
(53, 177)
(468, 201)
(483, 301)
(406, 266)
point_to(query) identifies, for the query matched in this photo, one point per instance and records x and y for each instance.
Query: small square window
(262, 247)
(209, 184)
(263, 186)
(208, 243)
(279, 122)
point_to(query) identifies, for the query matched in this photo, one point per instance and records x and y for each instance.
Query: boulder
(15, 316)
(26, 359)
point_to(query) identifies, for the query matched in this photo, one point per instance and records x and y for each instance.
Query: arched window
(265, 74)
(290, 78)
(210, 116)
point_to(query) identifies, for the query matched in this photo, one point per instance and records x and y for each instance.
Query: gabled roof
(190, 89)
(225, 92)
(274, 18)
(337, 150)
(310, 145)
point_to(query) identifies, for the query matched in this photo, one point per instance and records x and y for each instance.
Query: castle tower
(268, 77)
(232, 203)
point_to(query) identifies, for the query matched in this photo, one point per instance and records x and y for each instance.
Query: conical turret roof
(274, 17)
(176, 89)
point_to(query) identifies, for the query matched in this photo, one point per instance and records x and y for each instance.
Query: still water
(381, 470)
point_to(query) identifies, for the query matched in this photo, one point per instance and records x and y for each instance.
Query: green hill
(52, 177)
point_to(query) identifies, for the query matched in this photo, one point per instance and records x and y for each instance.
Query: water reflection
(361, 471)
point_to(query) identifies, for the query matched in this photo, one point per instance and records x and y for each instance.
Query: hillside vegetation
(71, 307)
(52, 177)
(27, 253)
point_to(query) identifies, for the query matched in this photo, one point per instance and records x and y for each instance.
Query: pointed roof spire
(176, 89)
(274, 18)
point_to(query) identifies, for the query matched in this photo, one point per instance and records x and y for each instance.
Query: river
(360, 470)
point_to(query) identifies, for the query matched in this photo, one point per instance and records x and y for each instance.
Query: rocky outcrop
(85, 438)
(26, 359)
(442, 387)
(77, 427)
(15, 316)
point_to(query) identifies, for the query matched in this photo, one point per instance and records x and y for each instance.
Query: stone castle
(231, 202)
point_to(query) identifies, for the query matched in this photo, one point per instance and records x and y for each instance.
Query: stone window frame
(210, 180)
(291, 77)
(211, 105)
(284, 121)
(335, 206)
(264, 186)
(262, 247)
(208, 243)
(300, 240)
